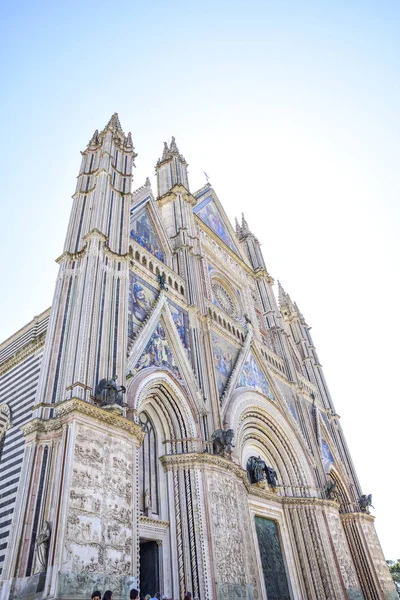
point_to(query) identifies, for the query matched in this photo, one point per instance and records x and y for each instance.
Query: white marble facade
(159, 289)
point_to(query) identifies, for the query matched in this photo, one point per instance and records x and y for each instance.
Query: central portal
(149, 568)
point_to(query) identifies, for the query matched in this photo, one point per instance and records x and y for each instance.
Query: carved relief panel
(379, 561)
(343, 556)
(233, 550)
(99, 524)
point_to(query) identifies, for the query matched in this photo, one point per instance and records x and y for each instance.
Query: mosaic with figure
(209, 214)
(158, 353)
(181, 321)
(252, 376)
(327, 458)
(144, 233)
(141, 299)
(224, 358)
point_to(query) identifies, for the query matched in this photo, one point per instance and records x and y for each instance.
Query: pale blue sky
(293, 110)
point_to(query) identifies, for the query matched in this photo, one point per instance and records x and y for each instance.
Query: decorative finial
(237, 226)
(245, 227)
(95, 139)
(207, 178)
(173, 147)
(147, 183)
(114, 123)
(165, 152)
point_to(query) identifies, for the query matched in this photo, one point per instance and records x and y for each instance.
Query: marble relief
(343, 555)
(253, 377)
(99, 523)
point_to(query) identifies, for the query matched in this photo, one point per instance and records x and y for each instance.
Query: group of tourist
(134, 595)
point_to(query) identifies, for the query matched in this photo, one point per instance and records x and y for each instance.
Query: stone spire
(171, 169)
(245, 227)
(114, 123)
(147, 183)
(237, 227)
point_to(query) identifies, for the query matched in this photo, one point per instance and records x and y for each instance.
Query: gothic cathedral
(166, 424)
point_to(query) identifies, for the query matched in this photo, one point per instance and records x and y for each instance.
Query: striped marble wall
(20, 359)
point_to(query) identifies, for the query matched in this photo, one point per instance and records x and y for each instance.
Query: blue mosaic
(209, 214)
(144, 233)
(224, 358)
(142, 297)
(181, 321)
(253, 377)
(327, 458)
(158, 353)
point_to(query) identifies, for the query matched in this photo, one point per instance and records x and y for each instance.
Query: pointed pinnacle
(147, 183)
(114, 123)
(173, 147)
(237, 226)
(282, 295)
(95, 138)
(245, 226)
(165, 152)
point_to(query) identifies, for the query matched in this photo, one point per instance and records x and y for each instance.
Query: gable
(144, 232)
(158, 353)
(251, 376)
(210, 214)
(224, 358)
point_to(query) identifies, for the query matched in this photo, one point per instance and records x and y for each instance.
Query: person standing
(96, 595)
(108, 595)
(133, 594)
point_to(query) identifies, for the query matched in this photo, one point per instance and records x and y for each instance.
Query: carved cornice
(357, 516)
(199, 461)
(26, 351)
(75, 405)
(202, 461)
(157, 523)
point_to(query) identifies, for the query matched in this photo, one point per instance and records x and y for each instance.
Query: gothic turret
(250, 244)
(171, 169)
(93, 274)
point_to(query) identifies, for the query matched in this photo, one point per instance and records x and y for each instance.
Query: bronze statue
(42, 547)
(256, 469)
(259, 471)
(222, 441)
(271, 477)
(107, 392)
(365, 502)
(330, 490)
(162, 281)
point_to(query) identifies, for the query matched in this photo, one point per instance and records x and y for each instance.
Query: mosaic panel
(158, 353)
(181, 321)
(209, 214)
(144, 233)
(142, 297)
(224, 358)
(253, 377)
(327, 458)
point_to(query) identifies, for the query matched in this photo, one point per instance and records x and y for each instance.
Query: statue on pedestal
(107, 392)
(365, 502)
(222, 441)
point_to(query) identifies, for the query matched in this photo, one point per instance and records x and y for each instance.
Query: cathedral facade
(166, 425)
